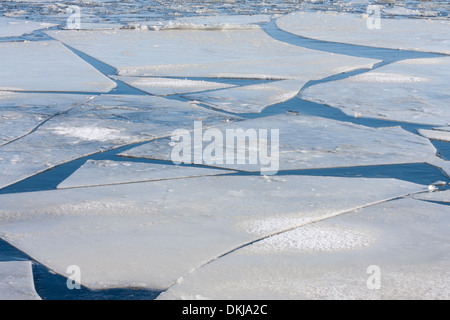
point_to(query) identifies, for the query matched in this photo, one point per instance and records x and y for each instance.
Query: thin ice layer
(17, 281)
(405, 242)
(415, 90)
(104, 123)
(407, 34)
(168, 86)
(305, 142)
(14, 27)
(212, 53)
(436, 134)
(149, 234)
(95, 173)
(250, 99)
(47, 66)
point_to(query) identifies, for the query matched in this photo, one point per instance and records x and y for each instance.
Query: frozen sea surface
(85, 149)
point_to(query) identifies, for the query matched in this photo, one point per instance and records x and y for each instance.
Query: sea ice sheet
(14, 27)
(47, 66)
(95, 173)
(307, 142)
(414, 90)
(17, 281)
(408, 34)
(103, 123)
(168, 86)
(406, 239)
(212, 53)
(151, 234)
(250, 99)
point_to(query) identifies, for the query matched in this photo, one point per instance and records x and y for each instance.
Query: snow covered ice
(359, 124)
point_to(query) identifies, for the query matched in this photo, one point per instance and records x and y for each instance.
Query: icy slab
(406, 34)
(151, 234)
(15, 28)
(104, 123)
(168, 86)
(415, 90)
(97, 26)
(250, 99)
(20, 113)
(441, 196)
(222, 22)
(436, 134)
(17, 281)
(47, 66)
(406, 240)
(207, 53)
(304, 142)
(96, 173)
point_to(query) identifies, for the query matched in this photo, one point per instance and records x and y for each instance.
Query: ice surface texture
(13, 27)
(407, 239)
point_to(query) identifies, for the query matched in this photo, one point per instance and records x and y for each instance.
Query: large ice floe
(107, 172)
(17, 281)
(414, 90)
(212, 53)
(408, 34)
(151, 234)
(442, 134)
(47, 66)
(251, 98)
(305, 142)
(14, 27)
(394, 250)
(103, 123)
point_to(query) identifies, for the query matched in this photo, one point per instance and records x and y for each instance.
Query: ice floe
(414, 90)
(153, 233)
(405, 242)
(436, 134)
(95, 173)
(252, 98)
(47, 66)
(20, 113)
(17, 281)
(168, 86)
(407, 34)
(305, 142)
(14, 27)
(200, 53)
(103, 123)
